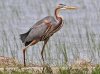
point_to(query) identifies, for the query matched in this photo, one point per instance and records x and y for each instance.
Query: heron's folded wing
(36, 32)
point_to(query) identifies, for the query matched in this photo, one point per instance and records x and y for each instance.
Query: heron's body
(38, 29)
(43, 30)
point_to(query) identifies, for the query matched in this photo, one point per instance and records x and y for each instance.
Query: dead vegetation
(8, 62)
(80, 66)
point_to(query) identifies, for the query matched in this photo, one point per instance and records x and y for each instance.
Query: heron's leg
(24, 57)
(24, 49)
(45, 42)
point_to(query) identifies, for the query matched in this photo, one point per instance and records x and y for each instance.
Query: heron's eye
(61, 5)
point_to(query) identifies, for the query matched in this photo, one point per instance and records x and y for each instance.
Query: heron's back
(37, 30)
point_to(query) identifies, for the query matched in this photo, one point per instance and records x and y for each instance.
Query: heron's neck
(58, 17)
(57, 13)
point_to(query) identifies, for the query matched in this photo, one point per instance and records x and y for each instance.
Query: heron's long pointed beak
(70, 7)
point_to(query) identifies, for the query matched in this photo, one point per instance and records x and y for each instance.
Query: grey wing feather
(36, 32)
(39, 28)
(49, 18)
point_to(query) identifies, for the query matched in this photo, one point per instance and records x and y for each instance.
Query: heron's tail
(23, 36)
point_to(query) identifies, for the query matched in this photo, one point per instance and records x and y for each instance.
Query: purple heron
(44, 29)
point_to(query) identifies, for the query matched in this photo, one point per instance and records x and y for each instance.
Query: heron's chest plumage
(54, 30)
(55, 26)
(59, 25)
(58, 28)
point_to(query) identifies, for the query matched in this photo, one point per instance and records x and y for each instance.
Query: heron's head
(64, 7)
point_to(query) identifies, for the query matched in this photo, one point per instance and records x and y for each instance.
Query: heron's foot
(47, 69)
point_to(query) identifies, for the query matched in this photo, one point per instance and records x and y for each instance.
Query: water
(80, 33)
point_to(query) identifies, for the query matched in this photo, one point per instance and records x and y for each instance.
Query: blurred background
(78, 39)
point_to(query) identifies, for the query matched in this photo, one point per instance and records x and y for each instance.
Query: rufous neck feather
(57, 11)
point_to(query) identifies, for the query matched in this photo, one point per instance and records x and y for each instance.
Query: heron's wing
(38, 29)
(51, 19)
(36, 32)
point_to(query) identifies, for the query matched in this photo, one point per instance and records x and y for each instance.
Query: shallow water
(80, 33)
